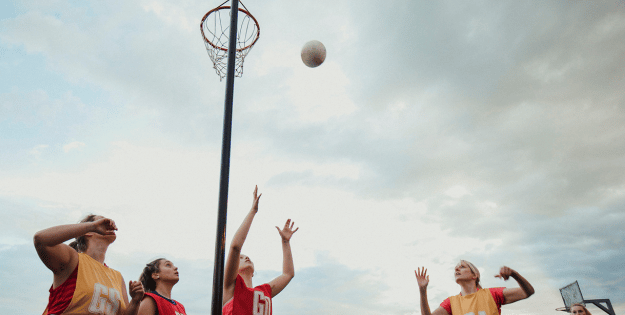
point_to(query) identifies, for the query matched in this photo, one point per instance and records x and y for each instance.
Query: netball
(313, 53)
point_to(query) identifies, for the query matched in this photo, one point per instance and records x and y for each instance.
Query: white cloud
(38, 150)
(433, 133)
(75, 145)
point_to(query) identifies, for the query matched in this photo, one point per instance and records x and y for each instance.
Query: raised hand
(136, 290)
(256, 199)
(505, 273)
(287, 231)
(422, 278)
(104, 226)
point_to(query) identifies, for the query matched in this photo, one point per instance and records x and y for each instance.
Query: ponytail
(146, 276)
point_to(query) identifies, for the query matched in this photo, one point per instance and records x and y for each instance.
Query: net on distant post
(215, 29)
(571, 294)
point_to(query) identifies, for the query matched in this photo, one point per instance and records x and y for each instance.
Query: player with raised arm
(158, 279)
(473, 299)
(240, 297)
(83, 283)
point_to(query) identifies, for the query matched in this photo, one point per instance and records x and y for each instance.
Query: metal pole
(220, 240)
(608, 308)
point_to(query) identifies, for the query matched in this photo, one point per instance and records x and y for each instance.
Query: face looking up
(463, 272)
(167, 271)
(245, 262)
(578, 310)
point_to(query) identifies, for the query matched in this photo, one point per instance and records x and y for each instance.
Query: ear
(155, 276)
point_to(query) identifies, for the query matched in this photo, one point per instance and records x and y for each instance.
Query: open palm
(422, 278)
(287, 231)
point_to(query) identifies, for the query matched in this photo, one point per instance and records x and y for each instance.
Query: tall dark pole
(220, 240)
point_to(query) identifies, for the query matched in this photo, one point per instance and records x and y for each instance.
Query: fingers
(421, 272)
(135, 289)
(112, 225)
(504, 273)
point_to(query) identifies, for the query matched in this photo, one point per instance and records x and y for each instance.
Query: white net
(215, 29)
(571, 294)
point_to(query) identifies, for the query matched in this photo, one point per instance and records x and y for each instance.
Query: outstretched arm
(60, 258)
(232, 262)
(423, 280)
(512, 295)
(288, 271)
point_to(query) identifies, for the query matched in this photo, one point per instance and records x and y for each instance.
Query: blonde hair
(582, 306)
(475, 272)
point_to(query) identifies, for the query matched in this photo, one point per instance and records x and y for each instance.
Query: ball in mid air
(313, 53)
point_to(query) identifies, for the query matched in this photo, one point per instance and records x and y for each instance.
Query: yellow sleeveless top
(478, 303)
(98, 289)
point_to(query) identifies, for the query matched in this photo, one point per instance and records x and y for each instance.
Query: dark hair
(80, 244)
(146, 276)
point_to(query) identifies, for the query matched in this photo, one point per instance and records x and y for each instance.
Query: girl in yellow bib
(473, 299)
(82, 283)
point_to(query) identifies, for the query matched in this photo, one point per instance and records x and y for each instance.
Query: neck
(97, 250)
(247, 278)
(164, 288)
(468, 287)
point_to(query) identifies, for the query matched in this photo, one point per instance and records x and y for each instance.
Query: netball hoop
(572, 294)
(215, 27)
(228, 40)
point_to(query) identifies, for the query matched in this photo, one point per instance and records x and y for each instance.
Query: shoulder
(497, 294)
(148, 304)
(446, 304)
(266, 288)
(496, 291)
(151, 295)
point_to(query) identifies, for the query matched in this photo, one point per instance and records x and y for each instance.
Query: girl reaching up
(473, 299)
(240, 297)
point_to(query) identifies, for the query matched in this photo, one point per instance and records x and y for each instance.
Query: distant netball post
(572, 294)
(228, 33)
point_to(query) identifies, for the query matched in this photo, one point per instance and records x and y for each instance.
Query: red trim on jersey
(165, 306)
(61, 296)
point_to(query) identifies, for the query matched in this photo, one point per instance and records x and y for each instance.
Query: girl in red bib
(240, 297)
(158, 278)
(473, 299)
(83, 284)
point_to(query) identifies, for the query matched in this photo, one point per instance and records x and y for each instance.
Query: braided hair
(146, 276)
(80, 243)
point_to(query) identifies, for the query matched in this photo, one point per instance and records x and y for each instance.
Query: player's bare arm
(423, 279)
(232, 262)
(288, 270)
(60, 258)
(512, 295)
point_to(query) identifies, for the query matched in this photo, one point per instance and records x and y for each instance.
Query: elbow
(236, 247)
(289, 275)
(530, 292)
(38, 240)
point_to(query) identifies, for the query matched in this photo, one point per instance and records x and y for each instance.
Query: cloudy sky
(492, 131)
